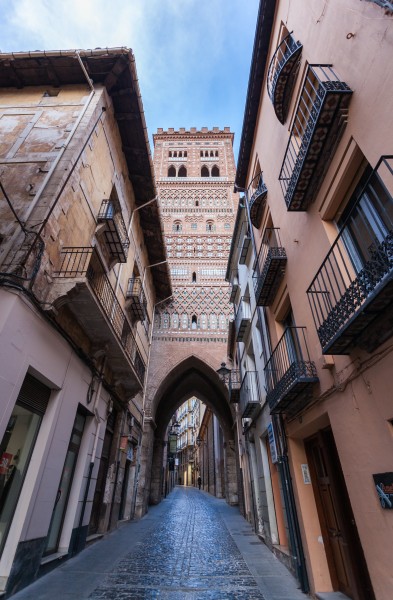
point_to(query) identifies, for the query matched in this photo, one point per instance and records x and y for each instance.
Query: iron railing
(257, 192)
(355, 272)
(85, 262)
(244, 243)
(318, 125)
(270, 267)
(281, 74)
(235, 382)
(242, 318)
(116, 235)
(137, 303)
(289, 368)
(250, 395)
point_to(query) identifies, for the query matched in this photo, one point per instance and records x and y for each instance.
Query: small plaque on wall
(384, 486)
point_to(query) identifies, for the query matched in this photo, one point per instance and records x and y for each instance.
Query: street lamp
(224, 373)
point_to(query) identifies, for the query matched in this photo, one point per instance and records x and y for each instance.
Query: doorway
(344, 553)
(63, 492)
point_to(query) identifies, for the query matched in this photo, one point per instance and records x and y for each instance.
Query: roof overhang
(115, 69)
(254, 91)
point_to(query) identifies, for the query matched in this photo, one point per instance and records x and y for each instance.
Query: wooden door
(347, 565)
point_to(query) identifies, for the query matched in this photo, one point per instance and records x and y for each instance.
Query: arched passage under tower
(191, 377)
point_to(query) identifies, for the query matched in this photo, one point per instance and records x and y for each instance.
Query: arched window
(196, 202)
(209, 226)
(201, 152)
(194, 277)
(211, 153)
(185, 153)
(206, 152)
(194, 322)
(182, 171)
(216, 152)
(175, 153)
(177, 226)
(205, 171)
(227, 226)
(170, 152)
(215, 171)
(172, 171)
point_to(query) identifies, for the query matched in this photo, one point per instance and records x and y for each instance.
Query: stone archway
(192, 376)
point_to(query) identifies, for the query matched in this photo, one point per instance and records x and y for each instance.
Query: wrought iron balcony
(351, 294)
(319, 123)
(271, 262)
(289, 373)
(136, 302)
(115, 231)
(250, 395)
(234, 386)
(257, 192)
(245, 244)
(83, 286)
(243, 319)
(232, 296)
(281, 75)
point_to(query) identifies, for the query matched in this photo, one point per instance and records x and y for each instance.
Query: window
(170, 154)
(210, 226)
(193, 225)
(215, 171)
(17, 447)
(227, 226)
(368, 219)
(205, 171)
(172, 171)
(194, 277)
(177, 226)
(194, 322)
(196, 203)
(182, 171)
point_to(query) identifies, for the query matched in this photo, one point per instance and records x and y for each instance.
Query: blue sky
(193, 57)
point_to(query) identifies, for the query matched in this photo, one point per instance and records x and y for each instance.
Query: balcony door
(344, 553)
(367, 221)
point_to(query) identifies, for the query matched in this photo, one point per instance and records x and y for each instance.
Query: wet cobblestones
(189, 555)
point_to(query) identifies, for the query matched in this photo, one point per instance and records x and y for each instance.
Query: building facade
(315, 168)
(80, 232)
(195, 172)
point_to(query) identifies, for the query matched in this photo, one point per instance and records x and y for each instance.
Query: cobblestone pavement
(191, 555)
(191, 546)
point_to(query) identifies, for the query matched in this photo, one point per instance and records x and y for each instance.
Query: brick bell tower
(195, 172)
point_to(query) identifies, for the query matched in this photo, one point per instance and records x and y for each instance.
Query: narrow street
(191, 546)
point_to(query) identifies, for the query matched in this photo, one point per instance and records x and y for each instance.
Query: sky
(193, 57)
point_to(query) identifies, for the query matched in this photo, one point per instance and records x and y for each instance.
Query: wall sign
(384, 486)
(306, 474)
(272, 443)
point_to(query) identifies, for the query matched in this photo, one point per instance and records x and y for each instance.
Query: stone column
(143, 483)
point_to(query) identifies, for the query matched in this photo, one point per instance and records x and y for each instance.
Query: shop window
(17, 447)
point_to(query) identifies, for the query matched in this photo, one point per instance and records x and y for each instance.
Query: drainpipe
(10, 244)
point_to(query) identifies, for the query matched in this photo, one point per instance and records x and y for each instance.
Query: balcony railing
(351, 294)
(115, 232)
(250, 395)
(272, 260)
(234, 386)
(84, 264)
(136, 302)
(257, 192)
(245, 241)
(243, 319)
(233, 292)
(319, 123)
(281, 76)
(289, 373)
